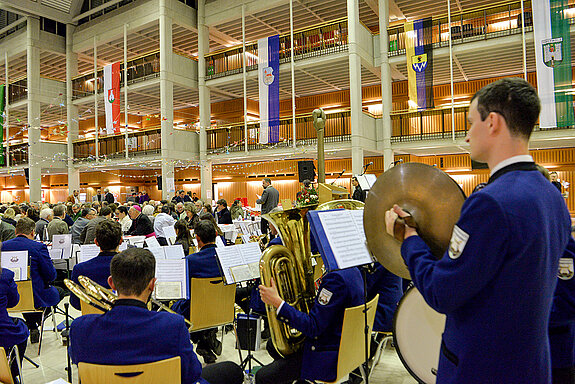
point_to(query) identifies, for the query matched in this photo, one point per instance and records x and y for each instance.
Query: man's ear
(152, 284)
(111, 283)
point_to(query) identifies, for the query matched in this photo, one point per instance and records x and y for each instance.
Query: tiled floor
(53, 361)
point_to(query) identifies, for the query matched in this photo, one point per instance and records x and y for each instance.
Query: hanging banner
(269, 89)
(553, 63)
(2, 117)
(112, 98)
(419, 55)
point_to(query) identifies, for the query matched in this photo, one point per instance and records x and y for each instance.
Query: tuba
(291, 268)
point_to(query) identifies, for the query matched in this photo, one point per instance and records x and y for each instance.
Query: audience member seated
(13, 331)
(148, 210)
(322, 327)
(141, 224)
(131, 334)
(89, 232)
(86, 215)
(224, 215)
(236, 210)
(108, 238)
(9, 216)
(183, 236)
(191, 218)
(7, 231)
(123, 218)
(46, 216)
(58, 226)
(163, 220)
(203, 264)
(42, 272)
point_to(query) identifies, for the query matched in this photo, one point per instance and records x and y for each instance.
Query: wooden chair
(211, 303)
(87, 309)
(352, 345)
(26, 305)
(166, 371)
(5, 372)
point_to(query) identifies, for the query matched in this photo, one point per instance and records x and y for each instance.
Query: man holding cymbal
(496, 281)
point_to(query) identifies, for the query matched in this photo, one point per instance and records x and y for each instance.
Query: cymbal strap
(399, 226)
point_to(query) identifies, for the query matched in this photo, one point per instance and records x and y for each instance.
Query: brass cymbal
(432, 197)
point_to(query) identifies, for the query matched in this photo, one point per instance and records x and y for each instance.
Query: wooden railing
(428, 124)
(317, 41)
(144, 142)
(231, 138)
(483, 23)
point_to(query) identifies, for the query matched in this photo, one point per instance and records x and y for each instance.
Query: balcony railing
(484, 23)
(140, 69)
(18, 154)
(231, 138)
(18, 90)
(317, 41)
(428, 124)
(143, 142)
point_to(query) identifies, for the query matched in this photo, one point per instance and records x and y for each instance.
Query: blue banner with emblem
(419, 55)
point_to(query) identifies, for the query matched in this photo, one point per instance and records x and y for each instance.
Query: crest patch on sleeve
(458, 241)
(324, 297)
(566, 270)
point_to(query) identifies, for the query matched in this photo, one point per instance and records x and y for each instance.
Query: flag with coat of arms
(269, 89)
(553, 62)
(112, 97)
(419, 55)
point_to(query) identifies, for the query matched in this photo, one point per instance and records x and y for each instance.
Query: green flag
(2, 101)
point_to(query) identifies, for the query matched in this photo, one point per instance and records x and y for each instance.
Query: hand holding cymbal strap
(397, 220)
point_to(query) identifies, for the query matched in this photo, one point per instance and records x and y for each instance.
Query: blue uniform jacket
(42, 272)
(10, 333)
(496, 281)
(388, 286)
(201, 264)
(97, 269)
(130, 334)
(322, 326)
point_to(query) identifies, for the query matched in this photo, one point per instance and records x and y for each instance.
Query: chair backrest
(164, 371)
(211, 302)
(87, 309)
(5, 374)
(352, 345)
(26, 303)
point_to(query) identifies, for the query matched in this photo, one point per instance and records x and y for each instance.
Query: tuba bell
(291, 268)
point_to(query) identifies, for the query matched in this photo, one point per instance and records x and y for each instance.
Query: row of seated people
(337, 291)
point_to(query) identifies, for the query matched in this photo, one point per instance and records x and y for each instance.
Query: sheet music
(174, 252)
(55, 253)
(246, 238)
(357, 218)
(63, 242)
(241, 273)
(137, 241)
(170, 233)
(346, 242)
(123, 246)
(17, 262)
(220, 242)
(152, 242)
(241, 255)
(158, 253)
(229, 257)
(88, 252)
(251, 252)
(172, 279)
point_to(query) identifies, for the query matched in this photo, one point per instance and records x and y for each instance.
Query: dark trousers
(225, 372)
(283, 370)
(563, 375)
(264, 226)
(34, 319)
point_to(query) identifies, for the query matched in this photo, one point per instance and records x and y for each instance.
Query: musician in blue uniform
(322, 327)
(13, 331)
(202, 264)
(131, 334)
(108, 238)
(42, 273)
(496, 281)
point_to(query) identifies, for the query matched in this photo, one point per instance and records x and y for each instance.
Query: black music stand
(248, 360)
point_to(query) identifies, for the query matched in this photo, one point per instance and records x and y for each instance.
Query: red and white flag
(112, 97)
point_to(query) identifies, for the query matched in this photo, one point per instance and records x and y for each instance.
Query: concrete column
(204, 98)
(71, 110)
(166, 98)
(385, 82)
(355, 86)
(33, 80)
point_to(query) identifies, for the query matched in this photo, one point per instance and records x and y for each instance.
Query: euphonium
(290, 267)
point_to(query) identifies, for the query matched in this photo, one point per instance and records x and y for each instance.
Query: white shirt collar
(511, 160)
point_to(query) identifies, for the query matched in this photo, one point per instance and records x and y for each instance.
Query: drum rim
(410, 287)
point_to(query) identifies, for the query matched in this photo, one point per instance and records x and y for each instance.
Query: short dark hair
(514, 99)
(25, 226)
(59, 210)
(552, 173)
(222, 202)
(108, 234)
(268, 180)
(105, 211)
(166, 209)
(123, 209)
(206, 231)
(85, 212)
(132, 270)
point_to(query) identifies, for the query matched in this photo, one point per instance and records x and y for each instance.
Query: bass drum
(417, 330)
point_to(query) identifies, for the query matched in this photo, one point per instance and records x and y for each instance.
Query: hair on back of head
(25, 226)
(108, 235)
(132, 270)
(206, 231)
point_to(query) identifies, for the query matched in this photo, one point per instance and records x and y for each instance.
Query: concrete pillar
(385, 82)
(166, 99)
(33, 84)
(355, 86)
(204, 98)
(71, 110)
